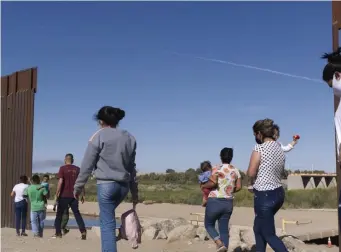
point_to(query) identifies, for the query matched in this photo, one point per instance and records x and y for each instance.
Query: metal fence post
(336, 26)
(17, 113)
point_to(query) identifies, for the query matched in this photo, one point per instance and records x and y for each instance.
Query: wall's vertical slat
(28, 79)
(3, 129)
(17, 101)
(20, 130)
(23, 137)
(6, 152)
(19, 127)
(28, 138)
(29, 130)
(3, 164)
(10, 155)
(4, 148)
(13, 84)
(336, 27)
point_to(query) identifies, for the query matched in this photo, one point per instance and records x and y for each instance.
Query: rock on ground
(247, 236)
(184, 232)
(202, 234)
(150, 233)
(169, 225)
(241, 237)
(161, 235)
(235, 241)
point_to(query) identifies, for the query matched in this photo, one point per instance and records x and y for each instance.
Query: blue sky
(181, 109)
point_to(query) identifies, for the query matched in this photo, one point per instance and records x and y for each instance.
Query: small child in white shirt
(290, 146)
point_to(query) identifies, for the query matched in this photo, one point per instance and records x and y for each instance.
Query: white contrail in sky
(250, 67)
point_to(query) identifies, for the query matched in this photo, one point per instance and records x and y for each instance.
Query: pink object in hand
(131, 228)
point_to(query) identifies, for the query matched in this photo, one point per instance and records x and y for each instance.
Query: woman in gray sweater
(111, 155)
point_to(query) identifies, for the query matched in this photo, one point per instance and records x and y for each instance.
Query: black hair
(266, 127)
(205, 166)
(110, 115)
(46, 176)
(226, 155)
(36, 179)
(23, 179)
(333, 65)
(69, 155)
(276, 128)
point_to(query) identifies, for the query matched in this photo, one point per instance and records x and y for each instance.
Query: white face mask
(336, 84)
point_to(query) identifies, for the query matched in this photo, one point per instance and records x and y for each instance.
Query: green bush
(182, 188)
(313, 198)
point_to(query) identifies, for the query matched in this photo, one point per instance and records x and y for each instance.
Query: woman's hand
(76, 195)
(135, 202)
(250, 188)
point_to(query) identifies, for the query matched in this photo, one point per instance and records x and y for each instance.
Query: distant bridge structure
(311, 180)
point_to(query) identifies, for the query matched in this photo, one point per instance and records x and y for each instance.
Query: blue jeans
(266, 205)
(109, 196)
(37, 222)
(20, 215)
(218, 210)
(63, 207)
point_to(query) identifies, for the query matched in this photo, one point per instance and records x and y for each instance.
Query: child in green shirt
(36, 196)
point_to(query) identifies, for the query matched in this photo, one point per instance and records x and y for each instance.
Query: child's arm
(291, 145)
(287, 148)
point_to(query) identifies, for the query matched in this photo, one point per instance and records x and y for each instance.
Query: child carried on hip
(204, 177)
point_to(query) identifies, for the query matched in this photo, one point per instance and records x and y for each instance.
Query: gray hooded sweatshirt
(111, 154)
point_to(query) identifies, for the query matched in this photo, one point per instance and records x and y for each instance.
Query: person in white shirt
(20, 205)
(332, 76)
(285, 148)
(332, 71)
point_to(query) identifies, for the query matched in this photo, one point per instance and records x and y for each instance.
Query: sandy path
(72, 243)
(243, 216)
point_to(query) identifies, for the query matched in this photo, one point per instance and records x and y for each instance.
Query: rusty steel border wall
(336, 27)
(17, 112)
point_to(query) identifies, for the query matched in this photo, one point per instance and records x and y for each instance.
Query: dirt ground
(72, 242)
(241, 216)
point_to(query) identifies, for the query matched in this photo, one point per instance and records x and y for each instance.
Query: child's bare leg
(204, 202)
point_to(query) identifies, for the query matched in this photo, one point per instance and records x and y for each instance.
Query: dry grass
(179, 193)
